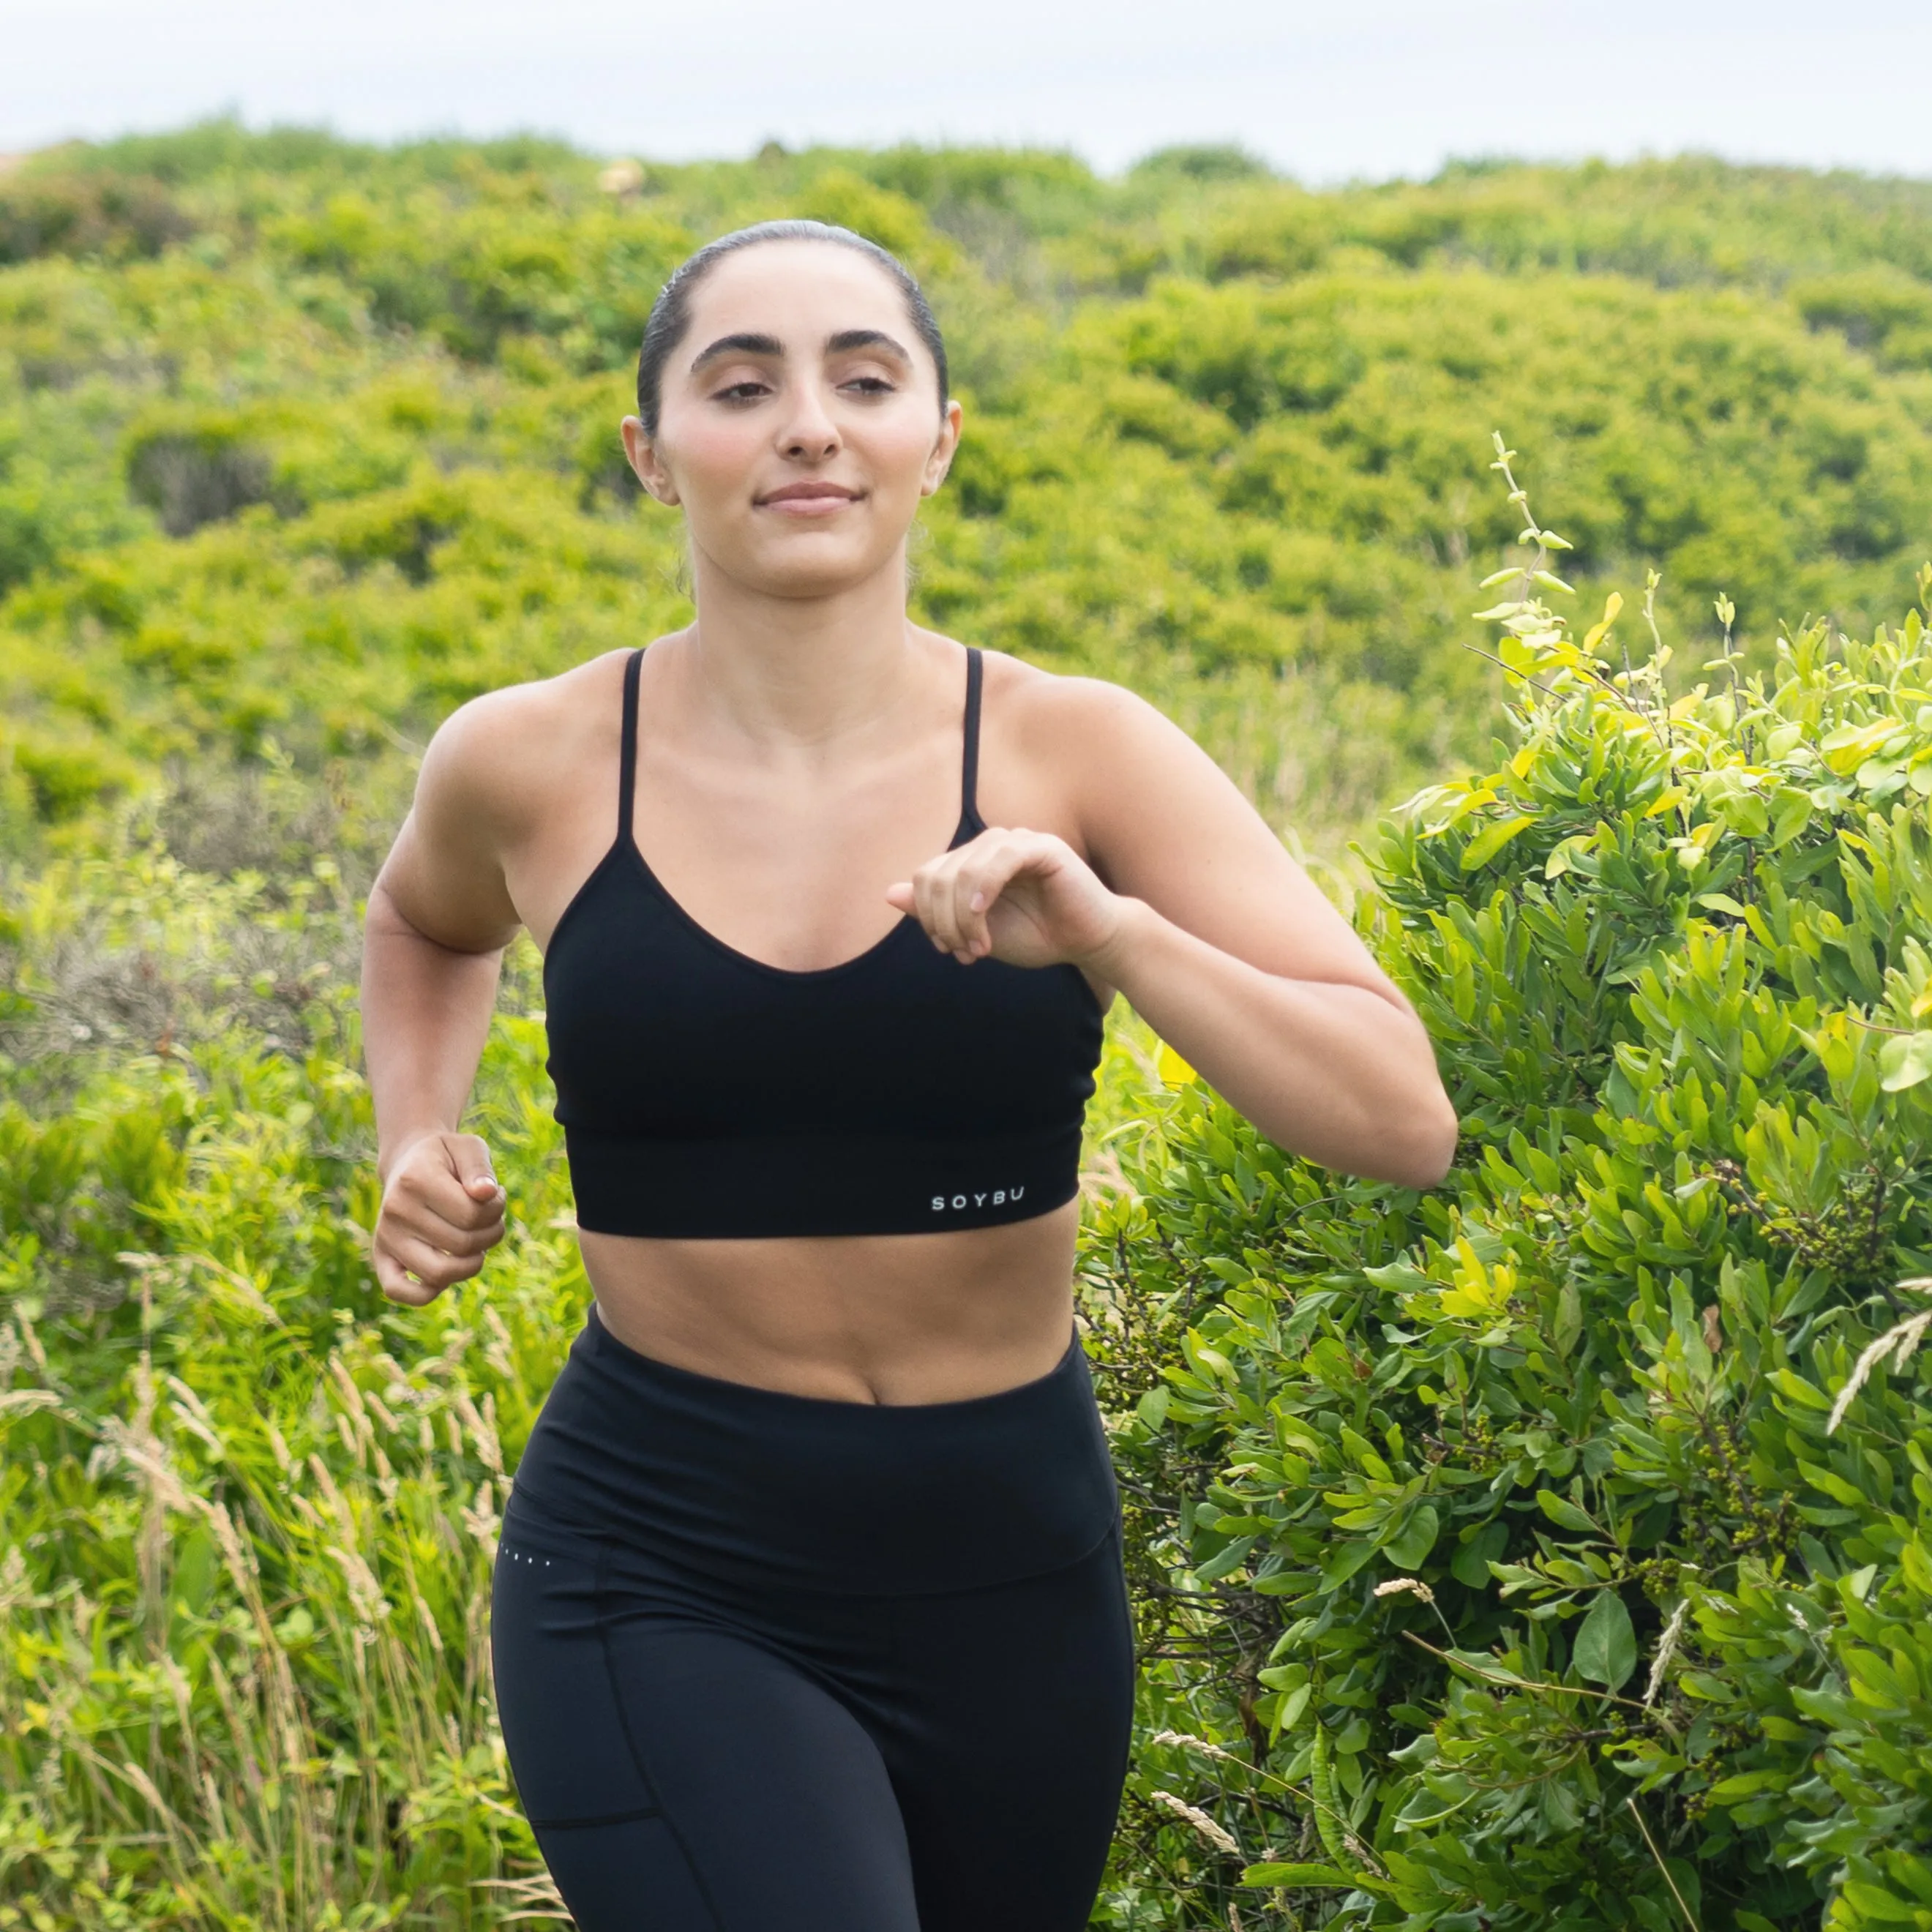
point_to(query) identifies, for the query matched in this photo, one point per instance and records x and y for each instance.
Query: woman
(808, 1612)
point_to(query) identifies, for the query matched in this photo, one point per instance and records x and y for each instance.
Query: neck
(799, 671)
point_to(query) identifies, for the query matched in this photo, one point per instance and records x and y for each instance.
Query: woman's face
(800, 423)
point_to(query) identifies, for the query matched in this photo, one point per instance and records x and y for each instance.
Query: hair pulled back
(670, 314)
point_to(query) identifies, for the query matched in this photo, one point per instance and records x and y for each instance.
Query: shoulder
(1119, 771)
(496, 760)
(1059, 711)
(1099, 732)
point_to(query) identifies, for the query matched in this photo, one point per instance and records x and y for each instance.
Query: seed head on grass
(1412, 1586)
(1186, 1742)
(1209, 1829)
(1898, 1342)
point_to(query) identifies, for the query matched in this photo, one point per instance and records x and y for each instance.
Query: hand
(1025, 897)
(442, 1213)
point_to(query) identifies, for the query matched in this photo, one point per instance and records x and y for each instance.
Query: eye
(870, 386)
(748, 391)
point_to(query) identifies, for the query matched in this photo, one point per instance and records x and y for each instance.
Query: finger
(963, 922)
(409, 1220)
(977, 890)
(981, 882)
(393, 1279)
(902, 895)
(921, 897)
(444, 1218)
(931, 899)
(430, 1265)
(470, 1157)
(435, 1191)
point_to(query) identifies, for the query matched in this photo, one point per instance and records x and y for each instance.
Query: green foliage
(1879, 308)
(119, 217)
(1223, 436)
(1551, 1550)
(244, 1663)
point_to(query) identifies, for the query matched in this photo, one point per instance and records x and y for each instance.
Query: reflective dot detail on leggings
(544, 1606)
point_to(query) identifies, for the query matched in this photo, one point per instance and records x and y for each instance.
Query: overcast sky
(1344, 88)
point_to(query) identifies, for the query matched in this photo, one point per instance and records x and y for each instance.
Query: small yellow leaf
(1600, 631)
(1172, 1067)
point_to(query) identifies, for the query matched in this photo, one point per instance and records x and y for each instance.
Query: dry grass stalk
(1215, 1833)
(1187, 1742)
(1899, 1341)
(1666, 1648)
(1690, 1919)
(537, 1895)
(1412, 1586)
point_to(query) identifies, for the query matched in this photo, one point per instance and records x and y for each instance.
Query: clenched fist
(1025, 897)
(442, 1213)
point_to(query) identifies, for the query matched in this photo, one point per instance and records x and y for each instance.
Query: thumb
(901, 896)
(471, 1160)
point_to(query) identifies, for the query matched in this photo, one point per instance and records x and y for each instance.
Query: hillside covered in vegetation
(1549, 1551)
(303, 443)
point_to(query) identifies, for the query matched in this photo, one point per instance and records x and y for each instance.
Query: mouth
(808, 500)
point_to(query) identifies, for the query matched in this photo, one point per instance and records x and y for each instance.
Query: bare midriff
(893, 1318)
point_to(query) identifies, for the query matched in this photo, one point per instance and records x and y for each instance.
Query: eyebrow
(844, 343)
(737, 345)
(849, 339)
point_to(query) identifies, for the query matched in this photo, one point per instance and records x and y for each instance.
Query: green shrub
(1223, 447)
(1223, 430)
(119, 217)
(1553, 1549)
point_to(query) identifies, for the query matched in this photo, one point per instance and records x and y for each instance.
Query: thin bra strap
(969, 775)
(627, 763)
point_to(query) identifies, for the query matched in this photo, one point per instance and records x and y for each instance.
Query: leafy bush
(1878, 307)
(88, 214)
(1554, 1549)
(1224, 434)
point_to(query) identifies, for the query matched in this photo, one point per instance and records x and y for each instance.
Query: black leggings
(768, 1663)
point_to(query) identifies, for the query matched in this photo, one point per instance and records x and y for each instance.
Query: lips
(828, 495)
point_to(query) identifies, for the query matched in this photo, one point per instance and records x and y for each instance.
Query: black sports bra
(703, 1093)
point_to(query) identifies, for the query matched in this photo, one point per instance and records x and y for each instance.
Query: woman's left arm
(1180, 897)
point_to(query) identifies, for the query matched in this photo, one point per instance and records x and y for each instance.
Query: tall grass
(249, 1512)
(248, 1509)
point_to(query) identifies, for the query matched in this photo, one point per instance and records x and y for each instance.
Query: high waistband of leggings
(860, 1498)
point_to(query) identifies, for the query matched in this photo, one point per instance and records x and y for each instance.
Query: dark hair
(670, 314)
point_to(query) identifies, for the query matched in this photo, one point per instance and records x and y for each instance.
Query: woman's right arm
(439, 916)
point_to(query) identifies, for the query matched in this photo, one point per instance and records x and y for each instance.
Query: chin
(813, 571)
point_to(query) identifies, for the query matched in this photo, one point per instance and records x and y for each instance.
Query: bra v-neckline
(627, 842)
(970, 826)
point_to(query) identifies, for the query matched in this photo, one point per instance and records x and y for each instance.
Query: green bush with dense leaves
(301, 442)
(1553, 1549)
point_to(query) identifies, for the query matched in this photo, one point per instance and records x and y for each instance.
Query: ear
(645, 461)
(940, 461)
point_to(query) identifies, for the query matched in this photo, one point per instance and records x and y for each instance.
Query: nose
(809, 434)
